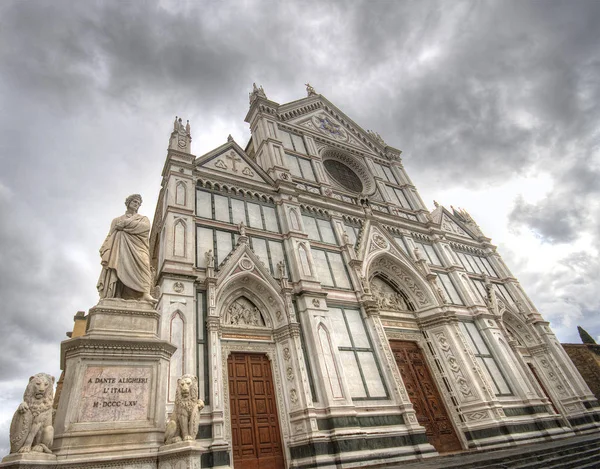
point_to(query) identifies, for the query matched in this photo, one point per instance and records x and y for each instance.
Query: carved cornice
(444, 317)
(137, 463)
(287, 331)
(125, 312)
(115, 347)
(466, 248)
(540, 349)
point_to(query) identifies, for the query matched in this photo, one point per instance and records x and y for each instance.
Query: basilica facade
(331, 318)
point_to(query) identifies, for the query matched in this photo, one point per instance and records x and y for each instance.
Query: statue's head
(40, 386)
(187, 388)
(131, 198)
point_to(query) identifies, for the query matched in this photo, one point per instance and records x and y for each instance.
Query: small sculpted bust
(125, 256)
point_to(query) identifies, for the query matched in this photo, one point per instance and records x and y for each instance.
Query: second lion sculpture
(184, 421)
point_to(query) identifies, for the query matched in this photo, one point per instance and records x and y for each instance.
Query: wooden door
(254, 423)
(425, 397)
(541, 385)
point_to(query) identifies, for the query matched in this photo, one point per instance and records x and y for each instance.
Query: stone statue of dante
(126, 256)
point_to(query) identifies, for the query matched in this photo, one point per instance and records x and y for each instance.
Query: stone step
(562, 461)
(558, 454)
(539, 461)
(531, 460)
(594, 464)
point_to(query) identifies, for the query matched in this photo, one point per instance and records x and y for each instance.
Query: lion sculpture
(31, 427)
(184, 421)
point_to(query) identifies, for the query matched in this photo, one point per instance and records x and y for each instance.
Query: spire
(257, 91)
(181, 137)
(464, 216)
(585, 337)
(375, 136)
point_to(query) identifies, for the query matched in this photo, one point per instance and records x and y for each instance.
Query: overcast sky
(495, 105)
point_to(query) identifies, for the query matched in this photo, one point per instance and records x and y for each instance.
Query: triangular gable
(373, 239)
(231, 160)
(320, 116)
(243, 259)
(449, 224)
(325, 124)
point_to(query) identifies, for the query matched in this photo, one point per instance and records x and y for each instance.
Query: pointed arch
(304, 260)
(179, 237)
(523, 332)
(243, 312)
(390, 294)
(386, 264)
(181, 193)
(327, 352)
(294, 219)
(177, 362)
(260, 293)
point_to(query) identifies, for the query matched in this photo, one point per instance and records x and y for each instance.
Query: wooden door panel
(425, 397)
(254, 423)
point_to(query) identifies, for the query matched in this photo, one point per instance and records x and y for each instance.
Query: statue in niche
(281, 269)
(345, 238)
(243, 313)
(125, 256)
(210, 258)
(387, 298)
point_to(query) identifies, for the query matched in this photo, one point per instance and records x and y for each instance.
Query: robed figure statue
(126, 256)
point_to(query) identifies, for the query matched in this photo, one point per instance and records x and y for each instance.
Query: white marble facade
(337, 256)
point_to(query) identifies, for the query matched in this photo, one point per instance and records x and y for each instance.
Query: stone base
(113, 399)
(32, 458)
(114, 317)
(185, 454)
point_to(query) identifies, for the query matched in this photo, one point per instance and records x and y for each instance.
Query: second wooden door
(425, 397)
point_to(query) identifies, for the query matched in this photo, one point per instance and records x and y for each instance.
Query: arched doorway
(418, 379)
(255, 434)
(254, 418)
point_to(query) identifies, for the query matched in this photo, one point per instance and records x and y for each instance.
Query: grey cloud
(555, 220)
(90, 90)
(569, 210)
(566, 294)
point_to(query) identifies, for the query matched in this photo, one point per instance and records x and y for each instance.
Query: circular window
(343, 175)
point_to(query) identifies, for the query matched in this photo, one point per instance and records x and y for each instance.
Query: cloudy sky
(496, 106)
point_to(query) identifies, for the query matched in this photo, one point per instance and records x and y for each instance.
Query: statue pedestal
(112, 404)
(182, 454)
(28, 460)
